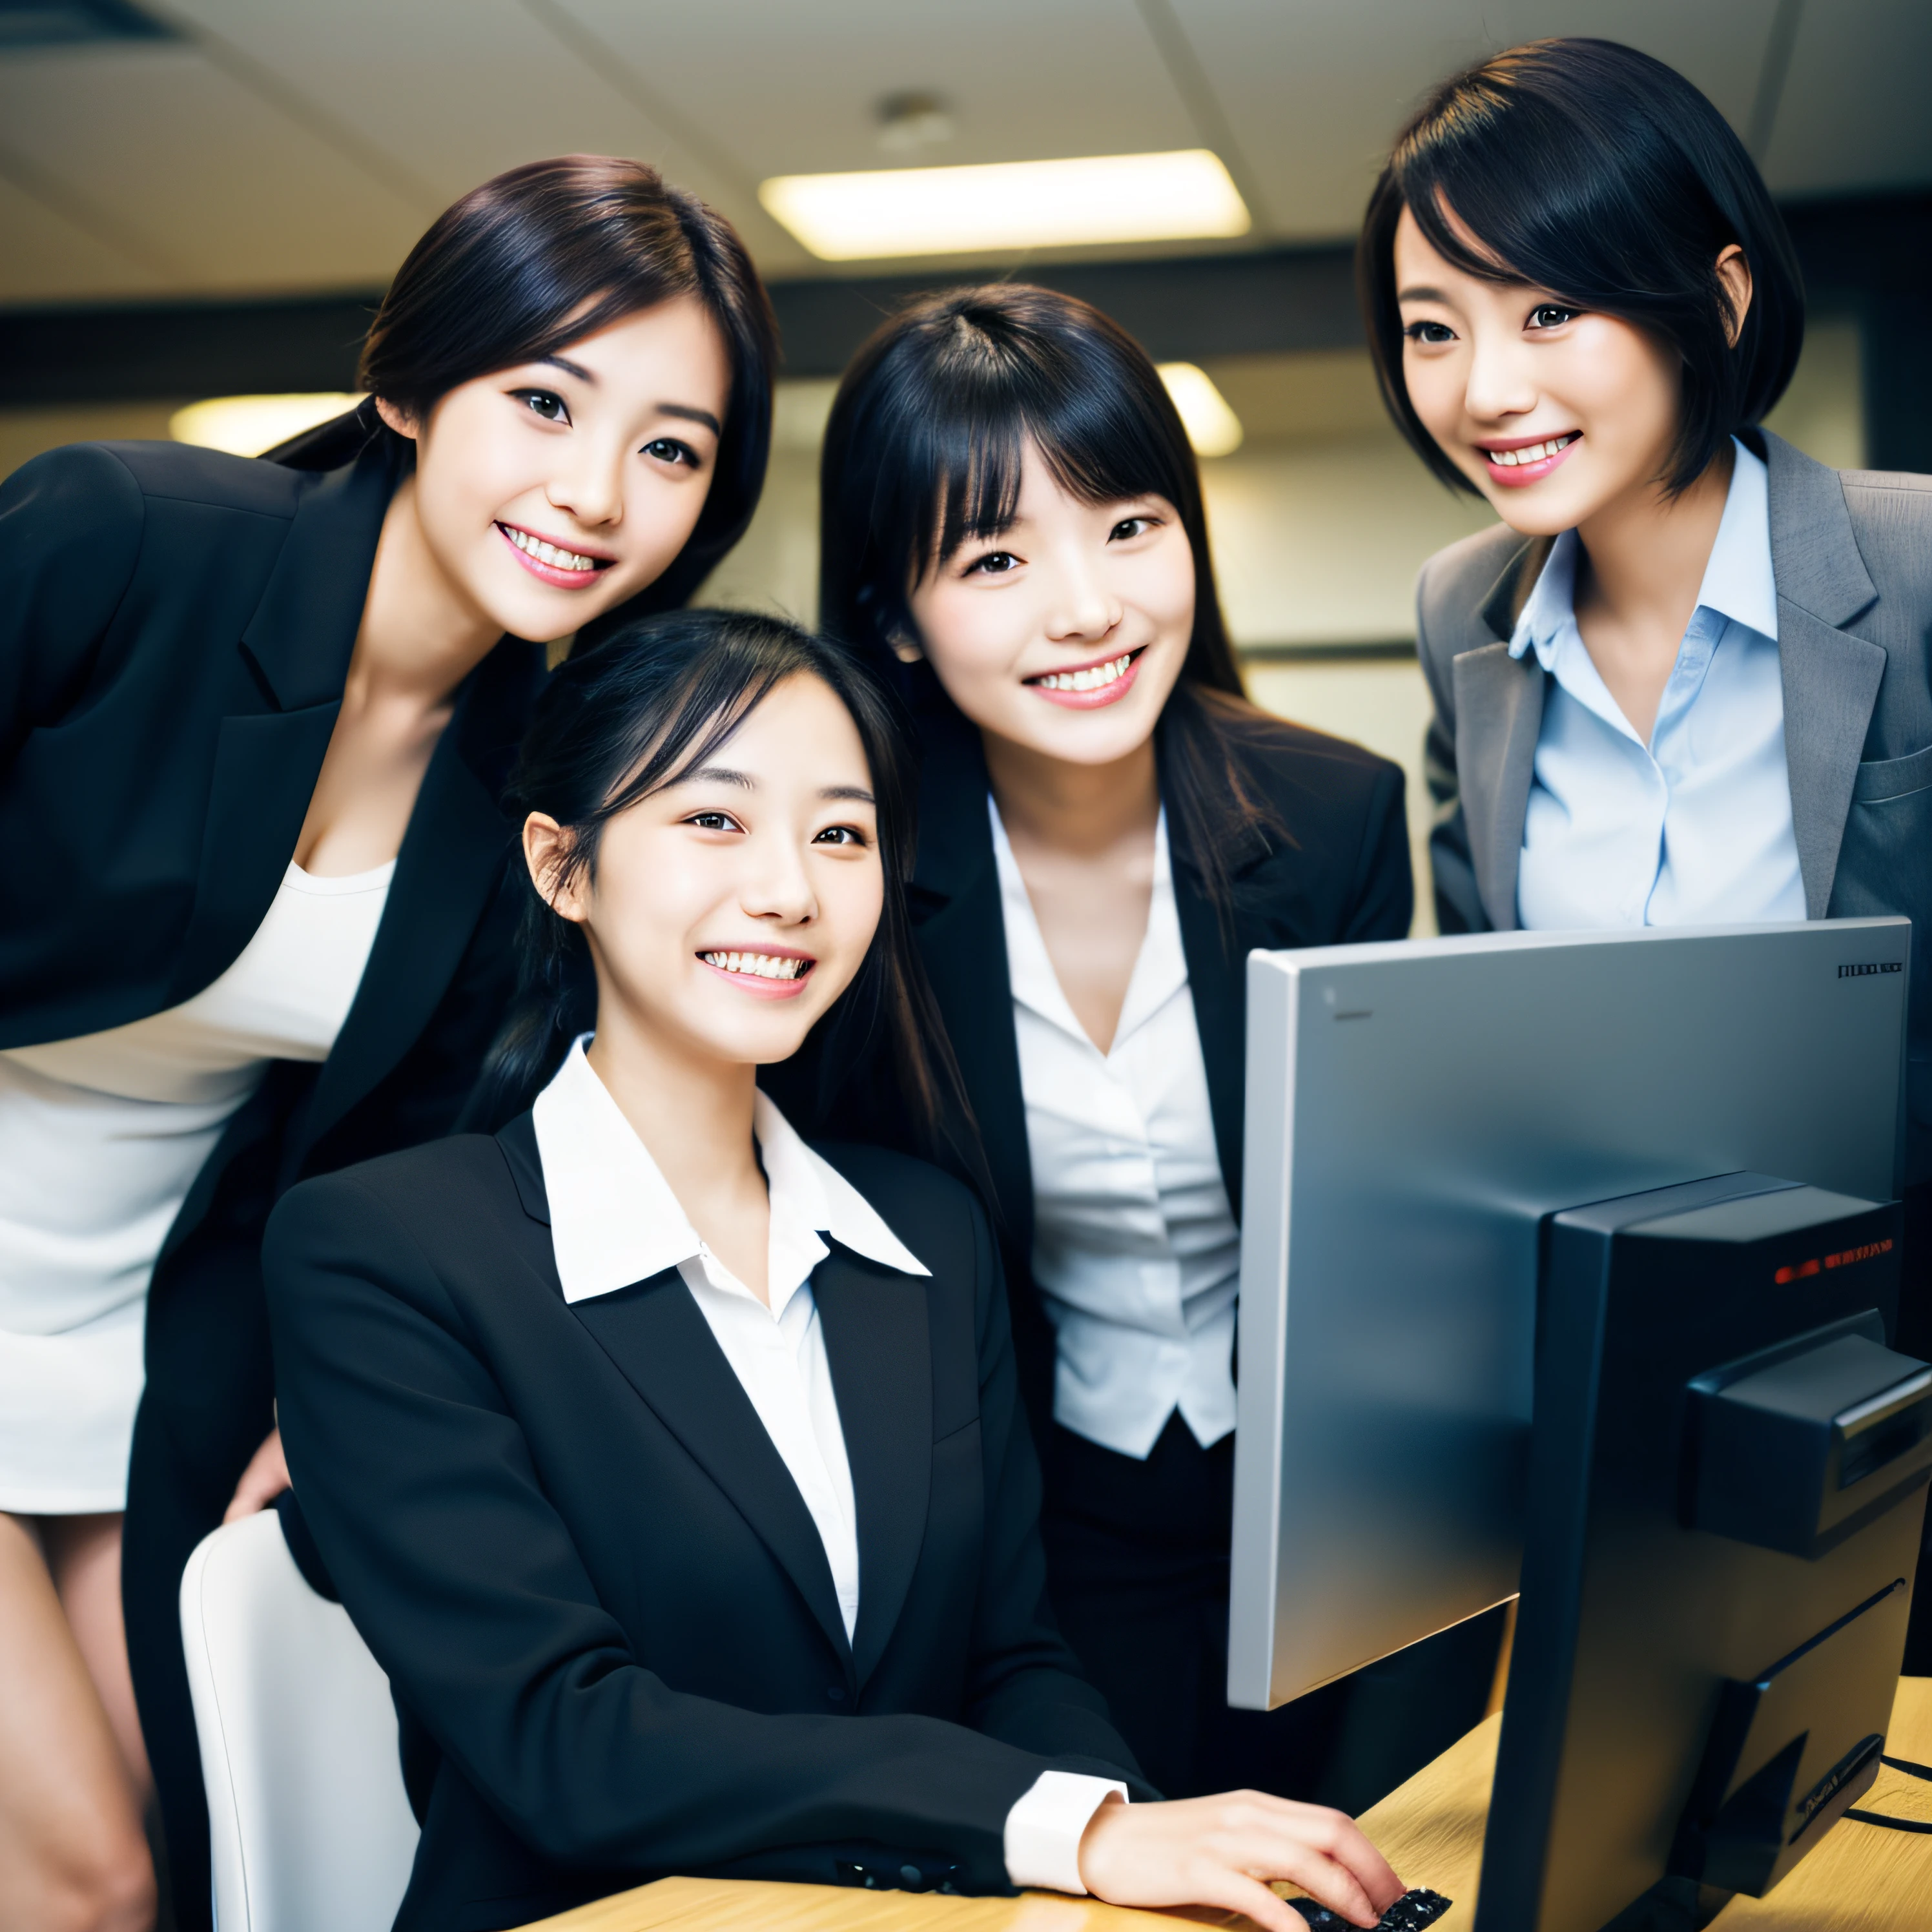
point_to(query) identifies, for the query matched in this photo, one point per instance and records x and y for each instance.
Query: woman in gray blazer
(1685, 680)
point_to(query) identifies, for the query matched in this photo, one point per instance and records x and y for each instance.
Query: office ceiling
(300, 145)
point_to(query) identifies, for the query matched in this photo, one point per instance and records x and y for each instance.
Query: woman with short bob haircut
(1687, 680)
(673, 1467)
(264, 708)
(1011, 526)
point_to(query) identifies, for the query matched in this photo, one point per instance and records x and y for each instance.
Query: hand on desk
(1223, 1850)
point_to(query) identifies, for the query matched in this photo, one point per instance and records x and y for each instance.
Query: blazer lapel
(662, 1346)
(1830, 679)
(1498, 714)
(1217, 967)
(451, 860)
(962, 939)
(876, 1340)
(298, 639)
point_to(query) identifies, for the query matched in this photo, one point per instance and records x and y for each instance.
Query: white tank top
(100, 1139)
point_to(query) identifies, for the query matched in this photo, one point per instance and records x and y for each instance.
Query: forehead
(800, 734)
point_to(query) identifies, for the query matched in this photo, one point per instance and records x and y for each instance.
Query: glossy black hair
(924, 452)
(1587, 169)
(539, 258)
(657, 698)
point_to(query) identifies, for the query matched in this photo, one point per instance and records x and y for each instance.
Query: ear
(905, 649)
(399, 420)
(1734, 277)
(546, 846)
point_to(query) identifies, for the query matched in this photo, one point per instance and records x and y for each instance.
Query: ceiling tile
(1854, 114)
(45, 257)
(220, 183)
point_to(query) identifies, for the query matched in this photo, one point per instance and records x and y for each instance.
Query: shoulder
(1891, 520)
(1290, 764)
(435, 1201)
(183, 473)
(1456, 582)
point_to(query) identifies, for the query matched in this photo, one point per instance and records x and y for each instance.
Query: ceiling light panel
(247, 425)
(1185, 195)
(1212, 426)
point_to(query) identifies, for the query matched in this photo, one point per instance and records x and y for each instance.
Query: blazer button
(834, 1694)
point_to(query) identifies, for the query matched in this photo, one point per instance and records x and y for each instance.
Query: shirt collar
(1738, 581)
(614, 1220)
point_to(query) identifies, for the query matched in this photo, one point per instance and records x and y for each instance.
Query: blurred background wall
(201, 199)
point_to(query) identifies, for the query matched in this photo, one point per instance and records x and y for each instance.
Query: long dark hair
(542, 257)
(658, 698)
(924, 452)
(1588, 168)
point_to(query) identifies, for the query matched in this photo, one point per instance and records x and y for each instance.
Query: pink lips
(1100, 695)
(749, 983)
(549, 573)
(1520, 475)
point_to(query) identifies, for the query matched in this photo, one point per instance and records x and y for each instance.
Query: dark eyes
(1550, 315)
(544, 403)
(723, 821)
(840, 835)
(548, 404)
(1130, 527)
(668, 449)
(1433, 334)
(714, 821)
(994, 563)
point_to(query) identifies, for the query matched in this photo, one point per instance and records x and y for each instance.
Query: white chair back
(310, 1828)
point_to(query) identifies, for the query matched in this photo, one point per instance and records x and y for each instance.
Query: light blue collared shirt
(1694, 828)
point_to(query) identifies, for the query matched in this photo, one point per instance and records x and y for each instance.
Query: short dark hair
(542, 257)
(1588, 168)
(655, 700)
(923, 452)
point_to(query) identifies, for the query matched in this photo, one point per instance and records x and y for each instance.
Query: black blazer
(176, 625)
(604, 1609)
(1344, 877)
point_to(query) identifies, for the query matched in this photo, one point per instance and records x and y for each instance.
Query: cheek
(970, 639)
(1435, 390)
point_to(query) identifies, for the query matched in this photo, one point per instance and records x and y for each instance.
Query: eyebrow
(1423, 294)
(717, 775)
(857, 792)
(680, 410)
(569, 368)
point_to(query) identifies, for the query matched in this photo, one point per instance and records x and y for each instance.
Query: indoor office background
(202, 199)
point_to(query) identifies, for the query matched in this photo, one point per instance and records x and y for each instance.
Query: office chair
(310, 1828)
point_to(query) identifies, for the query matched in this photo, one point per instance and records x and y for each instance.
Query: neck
(422, 635)
(693, 1113)
(1645, 553)
(1082, 811)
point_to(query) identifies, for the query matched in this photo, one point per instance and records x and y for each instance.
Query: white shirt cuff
(1043, 1830)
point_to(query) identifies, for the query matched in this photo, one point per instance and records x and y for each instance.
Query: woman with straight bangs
(1011, 523)
(1687, 681)
(262, 709)
(673, 1468)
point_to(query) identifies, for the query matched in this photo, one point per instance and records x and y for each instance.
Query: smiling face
(1064, 633)
(1554, 413)
(548, 492)
(730, 909)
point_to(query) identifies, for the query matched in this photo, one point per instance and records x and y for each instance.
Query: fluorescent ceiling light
(247, 425)
(1009, 205)
(1213, 428)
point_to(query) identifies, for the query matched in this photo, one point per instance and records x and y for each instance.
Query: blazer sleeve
(70, 528)
(1027, 1689)
(1459, 905)
(419, 1487)
(1382, 904)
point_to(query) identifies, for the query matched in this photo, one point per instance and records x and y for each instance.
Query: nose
(1500, 383)
(1081, 607)
(590, 487)
(778, 887)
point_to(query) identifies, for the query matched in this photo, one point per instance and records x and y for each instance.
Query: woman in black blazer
(254, 717)
(1011, 509)
(673, 1470)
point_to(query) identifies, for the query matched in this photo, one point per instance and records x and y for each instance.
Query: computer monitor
(1415, 1111)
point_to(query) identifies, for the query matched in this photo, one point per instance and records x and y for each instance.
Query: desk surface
(1861, 1879)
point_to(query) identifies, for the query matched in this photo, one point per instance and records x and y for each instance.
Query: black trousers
(1137, 1561)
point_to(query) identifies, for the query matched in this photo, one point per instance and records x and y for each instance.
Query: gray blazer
(1851, 554)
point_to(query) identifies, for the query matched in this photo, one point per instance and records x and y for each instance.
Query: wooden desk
(1861, 1879)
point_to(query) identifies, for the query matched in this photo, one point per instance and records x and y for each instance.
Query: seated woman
(674, 1469)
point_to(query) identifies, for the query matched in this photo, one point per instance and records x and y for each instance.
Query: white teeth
(758, 965)
(546, 553)
(1509, 458)
(1090, 679)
